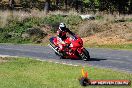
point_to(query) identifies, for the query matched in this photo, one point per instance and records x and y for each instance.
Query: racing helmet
(62, 26)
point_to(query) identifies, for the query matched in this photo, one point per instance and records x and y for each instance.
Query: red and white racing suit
(62, 36)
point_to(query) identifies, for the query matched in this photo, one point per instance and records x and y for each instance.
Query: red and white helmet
(62, 26)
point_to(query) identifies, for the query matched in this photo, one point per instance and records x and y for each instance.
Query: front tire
(85, 56)
(57, 54)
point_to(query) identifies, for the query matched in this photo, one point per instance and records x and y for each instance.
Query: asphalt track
(106, 58)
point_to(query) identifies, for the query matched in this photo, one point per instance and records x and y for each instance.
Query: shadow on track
(96, 59)
(92, 59)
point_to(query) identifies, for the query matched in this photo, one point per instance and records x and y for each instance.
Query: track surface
(107, 58)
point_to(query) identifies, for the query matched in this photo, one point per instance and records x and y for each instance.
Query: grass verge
(28, 73)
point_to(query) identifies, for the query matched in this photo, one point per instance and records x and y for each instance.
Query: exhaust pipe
(52, 47)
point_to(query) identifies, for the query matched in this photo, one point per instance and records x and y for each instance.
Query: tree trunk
(81, 6)
(130, 7)
(47, 6)
(58, 4)
(76, 5)
(11, 4)
(66, 4)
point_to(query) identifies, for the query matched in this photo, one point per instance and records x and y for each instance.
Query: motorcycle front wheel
(85, 56)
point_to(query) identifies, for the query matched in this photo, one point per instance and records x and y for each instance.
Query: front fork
(52, 47)
(80, 50)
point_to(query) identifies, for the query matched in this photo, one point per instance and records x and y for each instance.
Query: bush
(72, 21)
(15, 26)
(14, 30)
(36, 32)
(5, 35)
(30, 28)
(32, 22)
(8, 38)
(129, 19)
(99, 18)
(89, 28)
(1, 30)
(53, 21)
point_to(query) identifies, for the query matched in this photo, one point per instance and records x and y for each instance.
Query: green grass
(120, 46)
(28, 73)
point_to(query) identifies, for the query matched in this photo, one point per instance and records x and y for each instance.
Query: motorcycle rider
(62, 34)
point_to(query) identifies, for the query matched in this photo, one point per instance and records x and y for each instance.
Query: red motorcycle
(71, 48)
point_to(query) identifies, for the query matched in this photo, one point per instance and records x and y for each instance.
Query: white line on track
(75, 65)
(7, 56)
(118, 58)
(108, 57)
(42, 60)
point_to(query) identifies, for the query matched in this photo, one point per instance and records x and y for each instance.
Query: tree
(11, 4)
(130, 7)
(47, 6)
(66, 2)
(57, 3)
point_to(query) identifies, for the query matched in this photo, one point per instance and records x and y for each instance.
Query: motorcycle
(71, 48)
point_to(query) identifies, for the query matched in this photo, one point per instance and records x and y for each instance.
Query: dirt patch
(106, 40)
(4, 59)
(114, 33)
